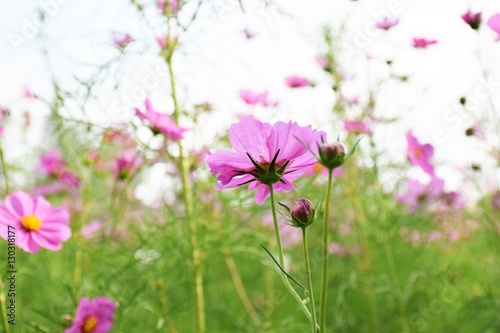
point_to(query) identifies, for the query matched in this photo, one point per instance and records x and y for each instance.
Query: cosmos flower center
(89, 324)
(418, 153)
(31, 223)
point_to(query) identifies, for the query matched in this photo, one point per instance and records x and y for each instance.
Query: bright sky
(216, 61)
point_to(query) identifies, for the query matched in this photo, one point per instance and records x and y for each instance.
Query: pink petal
(19, 204)
(249, 136)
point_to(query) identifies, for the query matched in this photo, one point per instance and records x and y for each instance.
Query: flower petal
(249, 136)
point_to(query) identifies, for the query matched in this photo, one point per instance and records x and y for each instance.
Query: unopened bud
(302, 213)
(331, 154)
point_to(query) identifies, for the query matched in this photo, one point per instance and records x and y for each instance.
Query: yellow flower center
(31, 223)
(89, 324)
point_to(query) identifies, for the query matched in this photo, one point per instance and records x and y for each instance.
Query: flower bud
(331, 155)
(302, 213)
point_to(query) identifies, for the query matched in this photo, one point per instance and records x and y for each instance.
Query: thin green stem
(309, 281)
(5, 171)
(188, 198)
(281, 258)
(324, 273)
(2, 308)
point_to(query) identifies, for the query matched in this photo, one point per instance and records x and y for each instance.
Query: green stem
(309, 280)
(282, 259)
(2, 308)
(188, 201)
(5, 172)
(324, 273)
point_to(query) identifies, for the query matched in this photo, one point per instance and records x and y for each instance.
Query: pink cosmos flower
(126, 165)
(472, 19)
(51, 163)
(420, 154)
(253, 98)
(36, 223)
(494, 24)
(356, 127)
(295, 81)
(120, 39)
(419, 195)
(265, 154)
(423, 42)
(2, 131)
(161, 123)
(386, 23)
(93, 316)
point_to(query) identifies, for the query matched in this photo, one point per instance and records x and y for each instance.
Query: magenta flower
(386, 23)
(264, 155)
(423, 42)
(93, 316)
(126, 165)
(295, 81)
(2, 131)
(494, 24)
(472, 19)
(419, 154)
(35, 222)
(51, 163)
(120, 39)
(356, 127)
(419, 195)
(162, 42)
(253, 98)
(161, 123)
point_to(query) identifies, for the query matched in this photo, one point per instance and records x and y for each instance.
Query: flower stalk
(324, 270)
(309, 282)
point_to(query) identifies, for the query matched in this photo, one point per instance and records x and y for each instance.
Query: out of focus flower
(418, 195)
(36, 223)
(69, 179)
(117, 136)
(324, 63)
(29, 94)
(264, 156)
(495, 201)
(89, 230)
(160, 123)
(386, 23)
(51, 163)
(423, 42)
(356, 127)
(120, 39)
(126, 165)
(319, 169)
(2, 131)
(249, 34)
(472, 19)
(295, 81)
(162, 42)
(93, 316)
(475, 131)
(419, 154)
(453, 200)
(171, 7)
(253, 98)
(494, 24)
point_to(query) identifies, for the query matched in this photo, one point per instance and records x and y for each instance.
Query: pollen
(90, 324)
(418, 153)
(31, 223)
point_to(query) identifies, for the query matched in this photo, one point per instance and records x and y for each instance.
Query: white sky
(216, 61)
